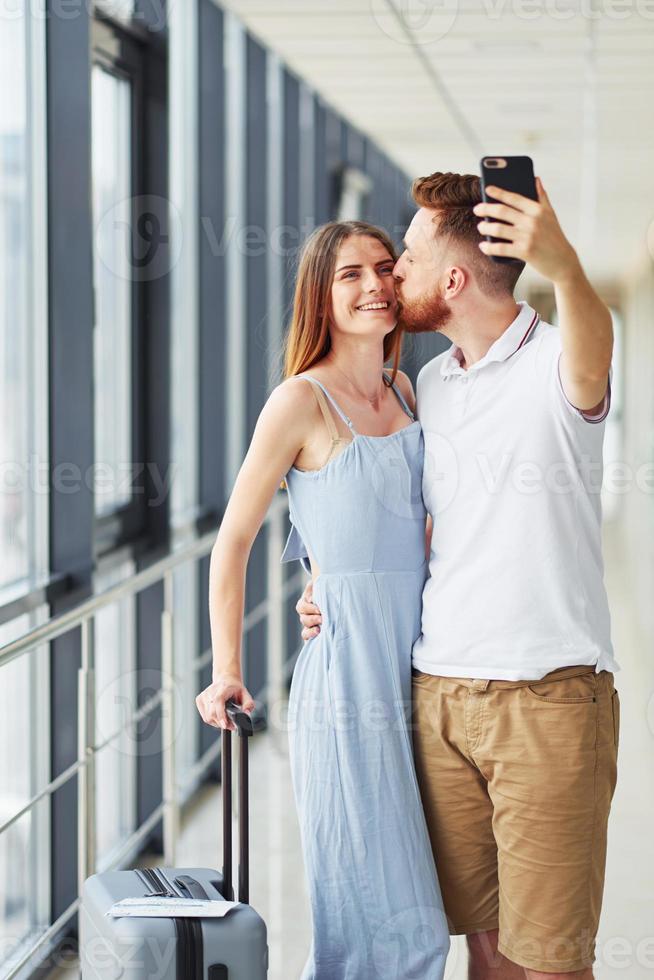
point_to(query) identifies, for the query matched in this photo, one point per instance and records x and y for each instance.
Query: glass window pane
(15, 784)
(115, 701)
(23, 772)
(14, 328)
(111, 101)
(24, 682)
(118, 8)
(185, 645)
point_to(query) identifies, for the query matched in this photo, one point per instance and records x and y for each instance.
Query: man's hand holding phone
(309, 613)
(532, 232)
(523, 225)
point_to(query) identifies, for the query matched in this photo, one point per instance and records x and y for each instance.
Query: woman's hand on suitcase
(309, 613)
(211, 702)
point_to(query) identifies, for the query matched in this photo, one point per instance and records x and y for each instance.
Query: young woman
(341, 432)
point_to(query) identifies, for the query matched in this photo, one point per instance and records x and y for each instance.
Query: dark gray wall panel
(333, 160)
(257, 240)
(321, 208)
(291, 206)
(212, 391)
(212, 258)
(70, 273)
(257, 328)
(148, 732)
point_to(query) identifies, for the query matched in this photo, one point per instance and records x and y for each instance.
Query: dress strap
(402, 400)
(341, 413)
(327, 415)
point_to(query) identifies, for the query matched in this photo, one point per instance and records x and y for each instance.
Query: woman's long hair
(308, 339)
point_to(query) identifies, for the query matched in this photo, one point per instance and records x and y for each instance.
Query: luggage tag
(182, 908)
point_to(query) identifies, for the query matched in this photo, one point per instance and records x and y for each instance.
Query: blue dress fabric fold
(377, 912)
(295, 549)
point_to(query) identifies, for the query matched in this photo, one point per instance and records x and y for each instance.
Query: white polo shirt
(512, 480)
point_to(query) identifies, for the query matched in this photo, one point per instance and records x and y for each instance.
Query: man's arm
(535, 236)
(586, 339)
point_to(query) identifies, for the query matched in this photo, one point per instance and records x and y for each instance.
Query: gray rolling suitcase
(230, 948)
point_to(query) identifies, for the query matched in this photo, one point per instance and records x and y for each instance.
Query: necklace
(373, 401)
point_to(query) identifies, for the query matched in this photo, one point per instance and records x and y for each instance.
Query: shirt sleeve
(548, 360)
(595, 415)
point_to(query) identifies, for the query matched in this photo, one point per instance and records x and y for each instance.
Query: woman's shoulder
(293, 393)
(311, 379)
(289, 414)
(294, 402)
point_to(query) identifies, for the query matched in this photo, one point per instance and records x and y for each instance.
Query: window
(111, 98)
(24, 770)
(15, 417)
(24, 682)
(115, 701)
(186, 683)
(122, 233)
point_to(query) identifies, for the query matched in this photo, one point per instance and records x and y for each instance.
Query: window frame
(115, 49)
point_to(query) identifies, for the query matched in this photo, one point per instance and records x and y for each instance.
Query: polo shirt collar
(516, 335)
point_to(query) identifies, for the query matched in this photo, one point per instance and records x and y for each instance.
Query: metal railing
(83, 616)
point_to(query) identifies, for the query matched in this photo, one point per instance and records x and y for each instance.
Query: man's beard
(423, 315)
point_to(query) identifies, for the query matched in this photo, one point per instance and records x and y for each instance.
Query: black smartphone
(511, 174)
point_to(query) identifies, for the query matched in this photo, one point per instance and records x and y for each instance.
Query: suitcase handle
(245, 729)
(193, 887)
(241, 718)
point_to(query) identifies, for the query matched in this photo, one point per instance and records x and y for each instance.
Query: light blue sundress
(376, 904)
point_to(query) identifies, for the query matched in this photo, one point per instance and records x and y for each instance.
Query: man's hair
(454, 196)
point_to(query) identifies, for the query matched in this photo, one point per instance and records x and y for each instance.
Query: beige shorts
(517, 779)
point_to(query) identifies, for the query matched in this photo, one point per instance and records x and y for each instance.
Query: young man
(515, 712)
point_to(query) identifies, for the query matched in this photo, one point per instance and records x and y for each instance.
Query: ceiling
(438, 83)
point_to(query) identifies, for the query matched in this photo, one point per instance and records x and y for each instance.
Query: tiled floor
(278, 891)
